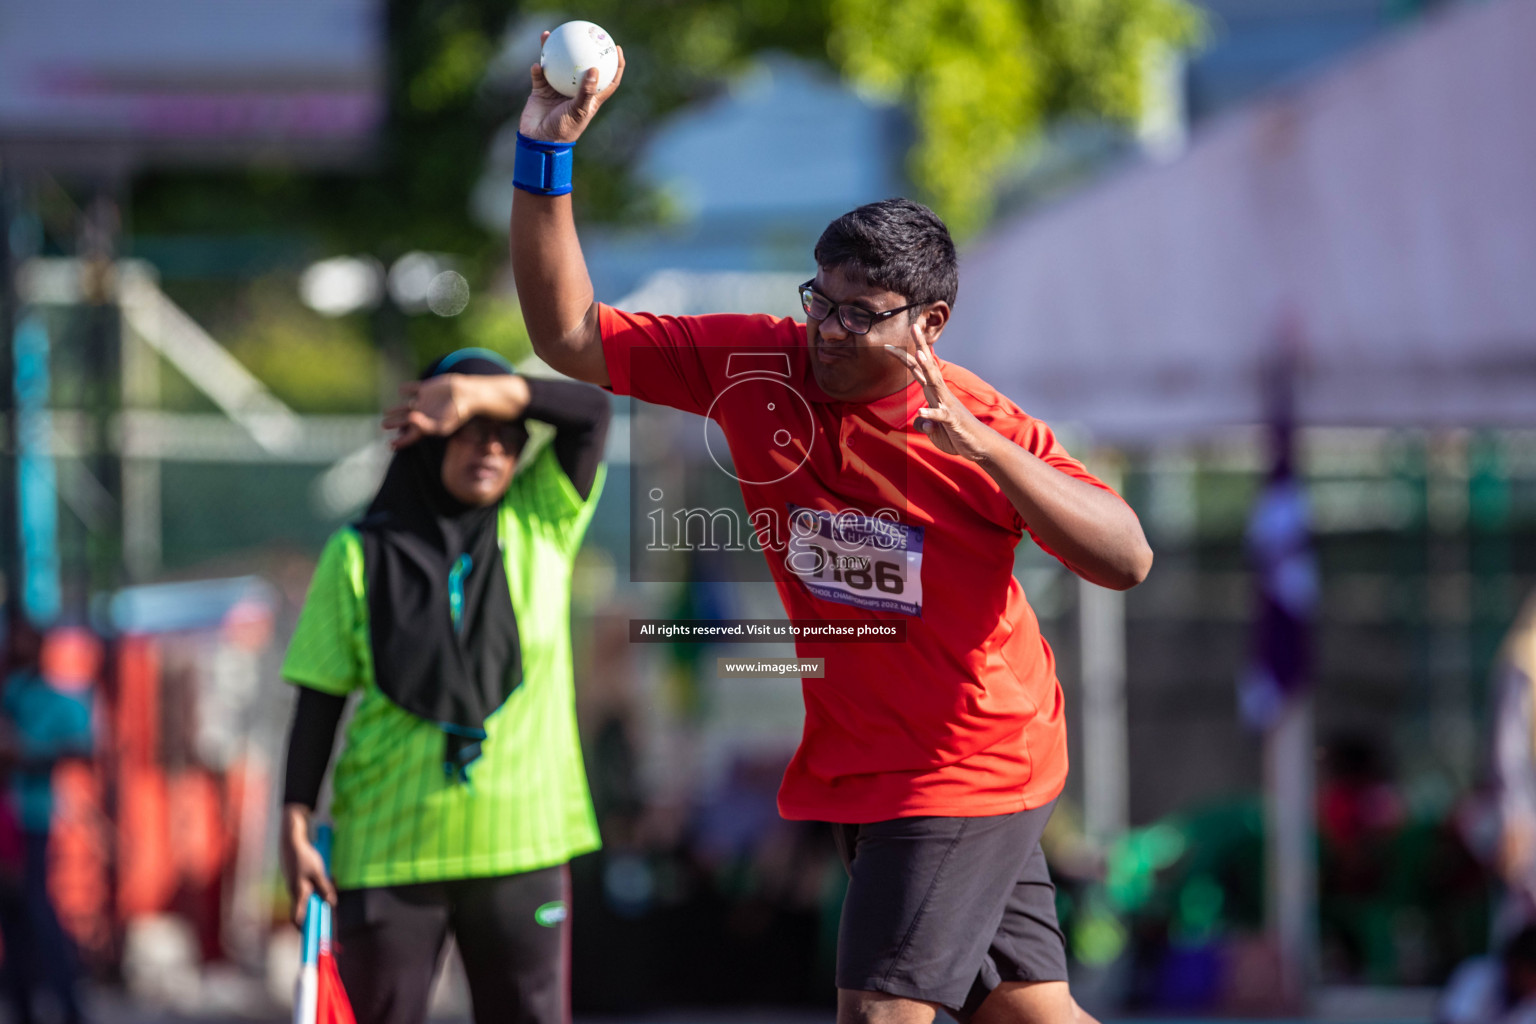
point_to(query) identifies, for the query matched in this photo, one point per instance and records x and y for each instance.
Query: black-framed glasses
(854, 318)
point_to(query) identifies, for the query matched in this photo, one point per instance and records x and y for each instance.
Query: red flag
(331, 1003)
(319, 997)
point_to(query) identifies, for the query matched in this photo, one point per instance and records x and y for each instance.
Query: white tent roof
(1387, 212)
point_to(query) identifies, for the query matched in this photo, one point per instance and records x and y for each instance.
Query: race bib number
(866, 561)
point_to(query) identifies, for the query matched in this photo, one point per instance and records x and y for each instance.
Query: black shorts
(946, 909)
(513, 934)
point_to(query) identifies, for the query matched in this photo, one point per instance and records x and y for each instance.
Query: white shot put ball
(573, 48)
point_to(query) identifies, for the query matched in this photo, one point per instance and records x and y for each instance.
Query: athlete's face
(857, 367)
(479, 458)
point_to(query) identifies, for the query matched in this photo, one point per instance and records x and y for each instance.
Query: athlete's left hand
(437, 406)
(945, 419)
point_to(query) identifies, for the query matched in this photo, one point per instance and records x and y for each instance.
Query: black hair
(896, 244)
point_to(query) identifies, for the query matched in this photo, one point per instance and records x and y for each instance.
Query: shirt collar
(898, 409)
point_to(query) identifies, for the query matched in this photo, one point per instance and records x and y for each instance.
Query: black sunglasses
(482, 430)
(854, 318)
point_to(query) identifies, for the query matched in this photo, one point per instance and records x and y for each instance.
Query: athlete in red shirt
(862, 516)
(883, 483)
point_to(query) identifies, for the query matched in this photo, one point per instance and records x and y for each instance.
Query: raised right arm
(553, 286)
(554, 289)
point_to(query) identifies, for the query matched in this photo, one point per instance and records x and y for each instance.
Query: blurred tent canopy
(1383, 215)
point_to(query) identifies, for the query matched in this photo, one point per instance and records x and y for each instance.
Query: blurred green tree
(293, 350)
(979, 79)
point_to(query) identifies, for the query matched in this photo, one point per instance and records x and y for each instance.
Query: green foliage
(490, 323)
(978, 77)
(677, 52)
(968, 70)
(412, 195)
(315, 364)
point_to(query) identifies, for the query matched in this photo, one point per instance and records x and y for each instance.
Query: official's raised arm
(547, 264)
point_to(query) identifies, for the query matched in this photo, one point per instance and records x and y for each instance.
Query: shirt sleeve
(546, 491)
(1040, 440)
(685, 361)
(580, 415)
(323, 653)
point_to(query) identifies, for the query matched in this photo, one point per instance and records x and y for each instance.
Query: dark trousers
(39, 956)
(513, 934)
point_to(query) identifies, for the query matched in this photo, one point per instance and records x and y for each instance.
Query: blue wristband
(543, 168)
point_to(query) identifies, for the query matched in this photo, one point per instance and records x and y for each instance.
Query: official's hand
(951, 426)
(303, 867)
(437, 407)
(551, 116)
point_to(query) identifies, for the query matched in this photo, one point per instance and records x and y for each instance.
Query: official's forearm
(563, 404)
(1092, 530)
(554, 288)
(496, 396)
(310, 738)
(566, 405)
(295, 819)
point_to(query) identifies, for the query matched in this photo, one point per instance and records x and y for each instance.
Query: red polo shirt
(862, 518)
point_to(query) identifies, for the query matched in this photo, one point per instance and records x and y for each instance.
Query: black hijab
(443, 631)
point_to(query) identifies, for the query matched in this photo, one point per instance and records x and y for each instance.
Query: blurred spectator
(1502, 987)
(1514, 773)
(1360, 819)
(40, 727)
